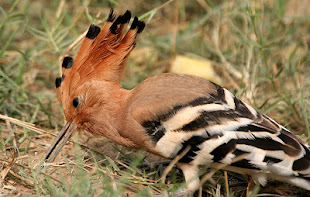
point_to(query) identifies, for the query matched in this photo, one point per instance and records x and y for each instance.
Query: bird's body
(173, 114)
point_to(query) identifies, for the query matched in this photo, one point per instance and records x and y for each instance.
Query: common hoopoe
(169, 113)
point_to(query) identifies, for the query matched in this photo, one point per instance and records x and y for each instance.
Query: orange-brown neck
(104, 111)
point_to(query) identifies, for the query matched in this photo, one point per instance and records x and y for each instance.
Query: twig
(204, 5)
(172, 163)
(8, 125)
(219, 167)
(248, 187)
(226, 184)
(22, 178)
(154, 164)
(154, 10)
(5, 172)
(175, 28)
(59, 9)
(226, 64)
(23, 124)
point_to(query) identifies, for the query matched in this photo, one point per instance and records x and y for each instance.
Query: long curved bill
(59, 142)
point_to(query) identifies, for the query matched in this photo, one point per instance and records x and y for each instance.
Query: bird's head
(87, 83)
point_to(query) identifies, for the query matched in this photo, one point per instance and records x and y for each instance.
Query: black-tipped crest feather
(93, 31)
(58, 82)
(134, 23)
(122, 19)
(67, 62)
(113, 27)
(141, 26)
(111, 16)
(126, 17)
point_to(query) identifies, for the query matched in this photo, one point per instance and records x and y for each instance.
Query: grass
(259, 49)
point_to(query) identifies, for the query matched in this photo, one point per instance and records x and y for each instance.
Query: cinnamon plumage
(168, 114)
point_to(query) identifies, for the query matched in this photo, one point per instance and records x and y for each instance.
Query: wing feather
(218, 126)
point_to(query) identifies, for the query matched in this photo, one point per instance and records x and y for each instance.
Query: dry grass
(259, 49)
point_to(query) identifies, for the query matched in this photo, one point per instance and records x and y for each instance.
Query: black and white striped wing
(219, 128)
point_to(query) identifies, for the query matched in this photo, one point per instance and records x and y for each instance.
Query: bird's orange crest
(101, 57)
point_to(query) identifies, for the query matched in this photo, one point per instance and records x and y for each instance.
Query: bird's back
(179, 111)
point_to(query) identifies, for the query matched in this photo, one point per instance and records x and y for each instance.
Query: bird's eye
(75, 102)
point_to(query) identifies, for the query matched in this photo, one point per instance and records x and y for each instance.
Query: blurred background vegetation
(259, 50)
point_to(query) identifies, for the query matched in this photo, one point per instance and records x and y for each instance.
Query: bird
(171, 114)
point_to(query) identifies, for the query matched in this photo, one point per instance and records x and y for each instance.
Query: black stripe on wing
(251, 128)
(271, 160)
(270, 145)
(218, 98)
(209, 118)
(304, 162)
(194, 143)
(241, 108)
(155, 129)
(221, 151)
(194, 103)
(243, 163)
(290, 140)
